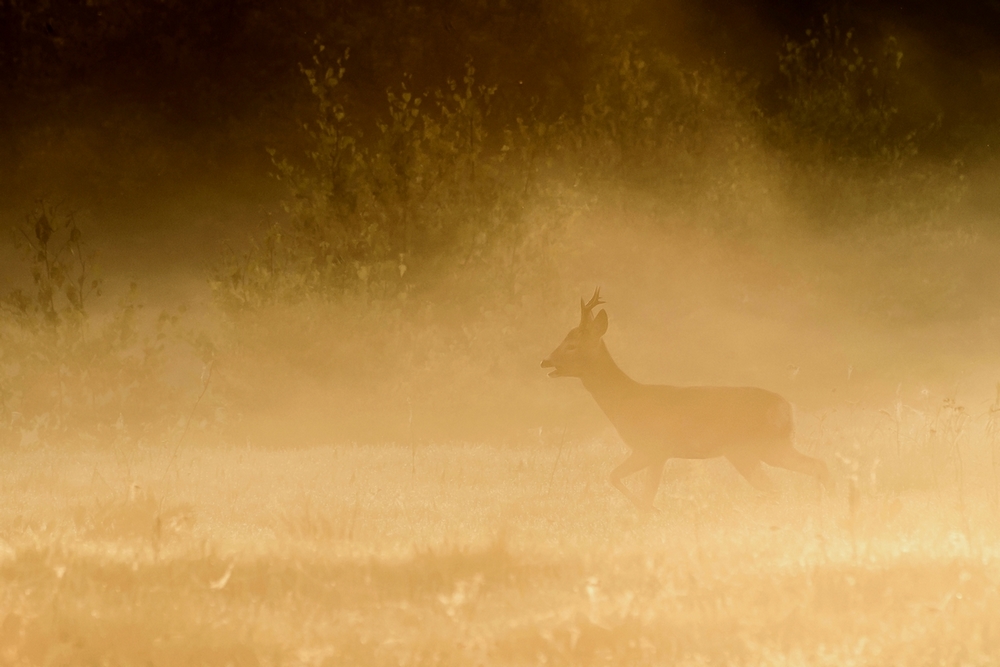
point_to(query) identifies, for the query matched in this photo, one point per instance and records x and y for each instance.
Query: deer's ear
(600, 324)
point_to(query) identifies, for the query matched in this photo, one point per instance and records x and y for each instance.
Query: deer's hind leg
(792, 459)
(749, 466)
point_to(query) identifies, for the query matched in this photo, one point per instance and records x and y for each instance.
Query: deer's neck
(605, 380)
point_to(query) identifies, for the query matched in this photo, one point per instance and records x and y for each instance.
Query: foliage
(66, 371)
(853, 158)
(443, 187)
(433, 185)
(839, 100)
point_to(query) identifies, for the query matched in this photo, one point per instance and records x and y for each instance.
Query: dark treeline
(214, 68)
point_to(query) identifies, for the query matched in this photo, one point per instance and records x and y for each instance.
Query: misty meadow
(276, 283)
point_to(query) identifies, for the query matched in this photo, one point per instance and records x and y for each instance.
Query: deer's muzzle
(548, 364)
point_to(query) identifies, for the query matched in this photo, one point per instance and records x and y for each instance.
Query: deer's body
(690, 422)
(746, 425)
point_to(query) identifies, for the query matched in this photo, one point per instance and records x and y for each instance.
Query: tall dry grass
(474, 554)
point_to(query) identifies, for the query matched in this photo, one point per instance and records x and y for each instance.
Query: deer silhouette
(746, 425)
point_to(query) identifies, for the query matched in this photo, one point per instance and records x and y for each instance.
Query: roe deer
(746, 425)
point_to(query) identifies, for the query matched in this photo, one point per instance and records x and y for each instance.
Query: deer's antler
(586, 309)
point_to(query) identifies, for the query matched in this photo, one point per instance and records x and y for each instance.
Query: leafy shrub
(64, 371)
(839, 100)
(430, 187)
(852, 159)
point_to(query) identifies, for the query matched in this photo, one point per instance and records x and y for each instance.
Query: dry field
(517, 555)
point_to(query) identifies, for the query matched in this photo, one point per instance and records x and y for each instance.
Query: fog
(275, 285)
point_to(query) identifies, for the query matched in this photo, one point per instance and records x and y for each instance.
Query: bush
(65, 372)
(852, 160)
(839, 101)
(432, 186)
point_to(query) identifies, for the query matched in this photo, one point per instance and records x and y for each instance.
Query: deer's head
(582, 345)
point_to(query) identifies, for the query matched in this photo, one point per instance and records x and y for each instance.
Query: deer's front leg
(654, 473)
(633, 464)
